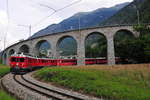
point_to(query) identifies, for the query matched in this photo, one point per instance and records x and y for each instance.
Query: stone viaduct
(79, 35)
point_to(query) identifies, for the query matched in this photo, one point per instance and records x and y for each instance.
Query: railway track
(50, 93)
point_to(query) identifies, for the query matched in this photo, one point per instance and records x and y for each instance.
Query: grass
(122, 82)
(3, 95)
(4, 70)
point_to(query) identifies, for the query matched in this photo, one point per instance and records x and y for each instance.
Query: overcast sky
(31, 12)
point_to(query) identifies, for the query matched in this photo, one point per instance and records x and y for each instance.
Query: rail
(43, 90)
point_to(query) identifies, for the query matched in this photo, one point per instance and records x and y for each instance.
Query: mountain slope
(128, 14)
(85, 19)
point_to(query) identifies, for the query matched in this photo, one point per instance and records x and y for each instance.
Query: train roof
(23, 55)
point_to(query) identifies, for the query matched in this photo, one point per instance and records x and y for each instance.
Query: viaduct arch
(24, 49)
(90, 40)
(70, 41)
(39, 46)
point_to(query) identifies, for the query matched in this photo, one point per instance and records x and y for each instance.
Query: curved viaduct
(80, 36)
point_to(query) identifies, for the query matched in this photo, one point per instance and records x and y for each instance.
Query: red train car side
(66, 62)
(21, 63)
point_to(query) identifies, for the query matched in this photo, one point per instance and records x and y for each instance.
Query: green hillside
(128, 14)
(122, 82)
(145, 12)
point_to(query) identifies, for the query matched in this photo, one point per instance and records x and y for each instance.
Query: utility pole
(29, 30)
(5, 36)
(138, 14)
(79, 23)
(0, 49)
(29, 27)
(5, 41)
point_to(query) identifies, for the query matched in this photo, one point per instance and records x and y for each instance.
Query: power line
(7, 9)
(55, 10)
(43, 19)
(27, 26)
(47, 7)
(69, 5)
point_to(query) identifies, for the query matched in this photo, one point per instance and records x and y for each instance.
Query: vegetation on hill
(127, 82)
(145, 12)
(129, 15)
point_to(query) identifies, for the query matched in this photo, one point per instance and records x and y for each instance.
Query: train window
(68, 61)
(21, 59)
(13, 59)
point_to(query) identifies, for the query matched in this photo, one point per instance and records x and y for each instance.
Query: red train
(23, 63)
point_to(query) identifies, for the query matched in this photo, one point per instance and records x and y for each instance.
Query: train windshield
(13, 59)
(21, 59)
(17, 59)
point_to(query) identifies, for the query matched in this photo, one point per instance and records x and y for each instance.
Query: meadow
(119, 82)
(3, 95)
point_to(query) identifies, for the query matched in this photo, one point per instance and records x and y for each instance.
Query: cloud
(3, 26)
(3, 18)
